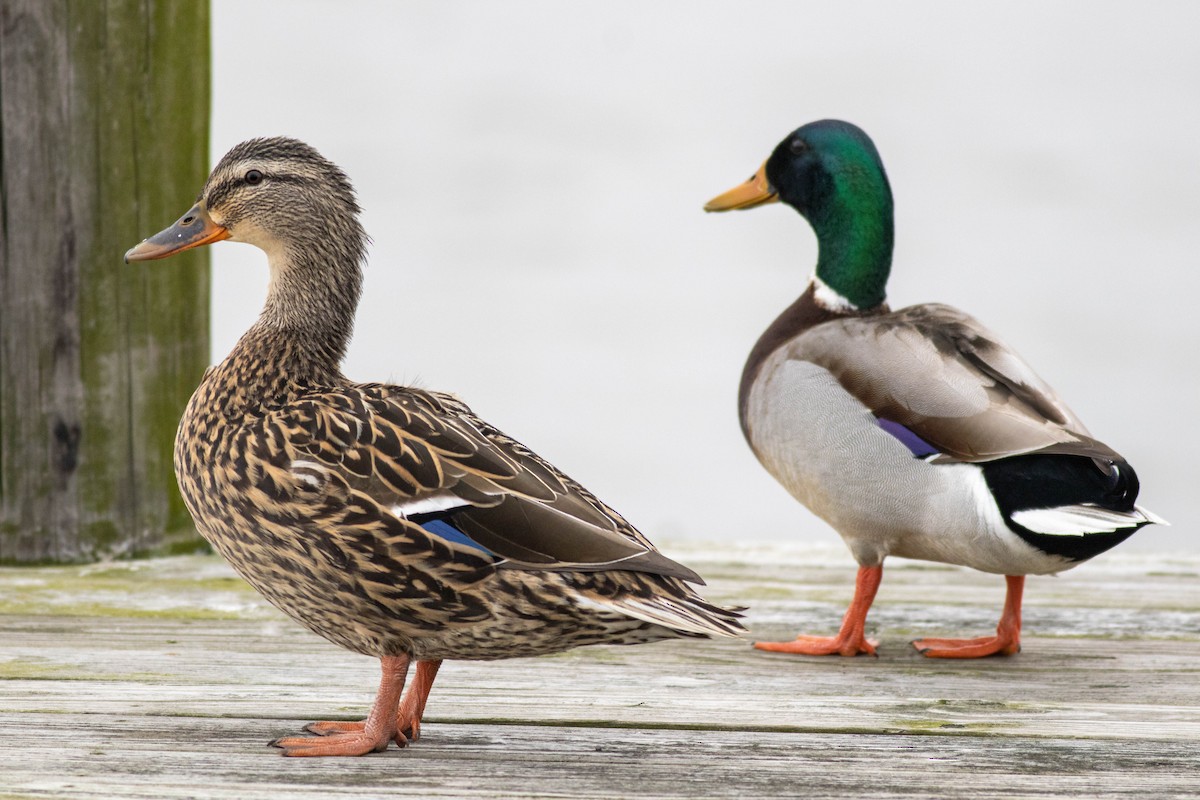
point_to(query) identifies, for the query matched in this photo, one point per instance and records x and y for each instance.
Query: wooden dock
(166, 678)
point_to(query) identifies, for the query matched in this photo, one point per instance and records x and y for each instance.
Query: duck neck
(855, 235)
(305, 326)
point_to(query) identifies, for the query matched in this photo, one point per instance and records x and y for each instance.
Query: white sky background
(532, 175)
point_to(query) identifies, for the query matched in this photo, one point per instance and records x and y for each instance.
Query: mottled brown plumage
(388, 519)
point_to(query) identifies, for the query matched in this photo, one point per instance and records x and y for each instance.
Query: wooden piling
(104, 112)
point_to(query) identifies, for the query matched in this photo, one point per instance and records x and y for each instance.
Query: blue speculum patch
(444, 530)
(915, 444)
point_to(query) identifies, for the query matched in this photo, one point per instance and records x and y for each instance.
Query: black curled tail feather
(1122, 482)
(1058, 481)
(1049, 480)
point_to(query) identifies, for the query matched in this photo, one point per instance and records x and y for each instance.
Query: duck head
(278, 194)
(283, 197)
(831, 173)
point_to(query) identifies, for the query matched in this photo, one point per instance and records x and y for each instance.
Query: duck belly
(826, 448)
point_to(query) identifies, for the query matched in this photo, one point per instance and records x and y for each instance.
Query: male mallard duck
(388, 519)
(917, 432)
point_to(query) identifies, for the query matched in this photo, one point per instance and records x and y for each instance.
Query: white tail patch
(1151, 517)
(1081, 520)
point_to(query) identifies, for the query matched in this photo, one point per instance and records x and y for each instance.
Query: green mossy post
(103, 140)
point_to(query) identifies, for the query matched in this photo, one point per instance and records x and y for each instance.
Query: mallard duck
(916, 433)
(390, 520)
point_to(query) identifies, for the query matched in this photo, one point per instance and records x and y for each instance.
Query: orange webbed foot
(347, 743)
(968, 648)
(822, 646)
(334, 728)
(1006, 642)
(407, 720)
(409, 730)
(326, 728)
(851, 639)
(357, 738)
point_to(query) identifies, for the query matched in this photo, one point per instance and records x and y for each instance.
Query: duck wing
(943, 376)
(427, 459)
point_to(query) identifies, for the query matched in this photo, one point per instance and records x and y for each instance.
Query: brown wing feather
(943, 375)
(404, 446)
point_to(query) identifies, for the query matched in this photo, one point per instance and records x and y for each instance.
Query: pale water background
(532, 175)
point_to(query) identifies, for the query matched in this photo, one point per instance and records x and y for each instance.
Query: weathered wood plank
(157, 757)
(166, 678)
(1059, 687)
(103, 138)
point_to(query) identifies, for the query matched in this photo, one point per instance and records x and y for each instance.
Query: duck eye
(254, 177)
(798, 147)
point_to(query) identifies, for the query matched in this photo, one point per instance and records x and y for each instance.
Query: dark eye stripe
(220, 192)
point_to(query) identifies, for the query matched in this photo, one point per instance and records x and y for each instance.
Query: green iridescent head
(831, 173)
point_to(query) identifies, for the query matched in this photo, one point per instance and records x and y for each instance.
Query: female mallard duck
(390, 520)
(917, 432)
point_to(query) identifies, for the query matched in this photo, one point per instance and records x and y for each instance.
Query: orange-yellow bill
(754, 192)
(193, 229)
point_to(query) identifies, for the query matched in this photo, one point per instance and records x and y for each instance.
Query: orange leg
(412, 707)
(408, 718)
(374, 734)
(1006, 642)
(851, 639)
